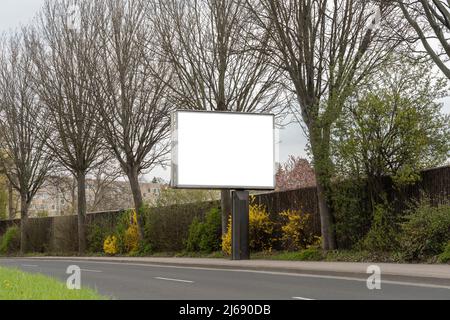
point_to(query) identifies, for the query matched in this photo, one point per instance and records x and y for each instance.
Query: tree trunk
(81, 207)
(225, 204)
(11, 209)
(319, 139)
(72, 194)
(326, 219)
(23, 223)
(133, 177)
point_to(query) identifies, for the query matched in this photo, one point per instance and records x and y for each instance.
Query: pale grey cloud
(14, 13)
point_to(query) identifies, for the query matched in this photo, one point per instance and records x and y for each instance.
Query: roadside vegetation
(18, 285)
(421, 235)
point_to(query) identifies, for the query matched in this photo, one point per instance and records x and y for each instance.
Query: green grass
(183, 254)
(311, 254)
(315, 254)
(18, 285)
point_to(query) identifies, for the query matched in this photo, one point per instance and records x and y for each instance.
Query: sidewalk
(432, 271)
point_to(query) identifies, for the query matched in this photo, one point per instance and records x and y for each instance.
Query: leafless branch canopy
(325, 48)
(24, 157)
(133, 104)
(431, 21)
(64, 85)
(218, 62)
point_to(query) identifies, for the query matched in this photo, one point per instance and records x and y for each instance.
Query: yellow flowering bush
(110, 245)
(296, 231)
(226, 239)
(132, 234)
(260, 230)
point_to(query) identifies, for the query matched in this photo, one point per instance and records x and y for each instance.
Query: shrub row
(293, 225)
(166, 229)
(421, 234)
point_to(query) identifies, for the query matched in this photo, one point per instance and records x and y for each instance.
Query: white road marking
(30, 265)
(176, 280)
(306, 275)
(301, 298)
(88, 270)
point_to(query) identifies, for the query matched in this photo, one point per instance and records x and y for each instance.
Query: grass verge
(315, 254)
(18, 285)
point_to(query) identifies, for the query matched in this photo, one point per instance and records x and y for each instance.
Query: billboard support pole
(240, 225)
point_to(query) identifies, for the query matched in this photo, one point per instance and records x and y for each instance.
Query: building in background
(58, 196)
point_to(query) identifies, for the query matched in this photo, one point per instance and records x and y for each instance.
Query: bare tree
(210, 45)
(103, 190)
(133, 105)
(60, 54)
(62, 187)
(25, 159)
(431, 21)
(103, 185)
(325, 49)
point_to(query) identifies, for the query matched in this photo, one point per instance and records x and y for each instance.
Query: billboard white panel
(223, 150)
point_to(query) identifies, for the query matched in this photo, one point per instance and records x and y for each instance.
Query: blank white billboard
(223, 150)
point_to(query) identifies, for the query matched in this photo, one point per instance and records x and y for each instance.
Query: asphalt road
(148, 281)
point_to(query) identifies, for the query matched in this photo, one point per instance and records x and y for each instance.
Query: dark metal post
(240, 225)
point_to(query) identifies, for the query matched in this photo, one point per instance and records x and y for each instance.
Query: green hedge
(167, 228)
(426, 231)
(10, 242)
(205, 236)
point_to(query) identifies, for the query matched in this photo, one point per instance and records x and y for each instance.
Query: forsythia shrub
(260, 230)
(226, 239)
(131, 236)
(296, 232)
(110, 245)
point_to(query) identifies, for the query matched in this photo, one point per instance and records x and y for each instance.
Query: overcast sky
(14, 13)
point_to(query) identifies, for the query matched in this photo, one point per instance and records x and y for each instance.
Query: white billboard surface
(218, 150)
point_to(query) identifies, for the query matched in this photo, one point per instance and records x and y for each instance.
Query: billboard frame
(174, 154)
